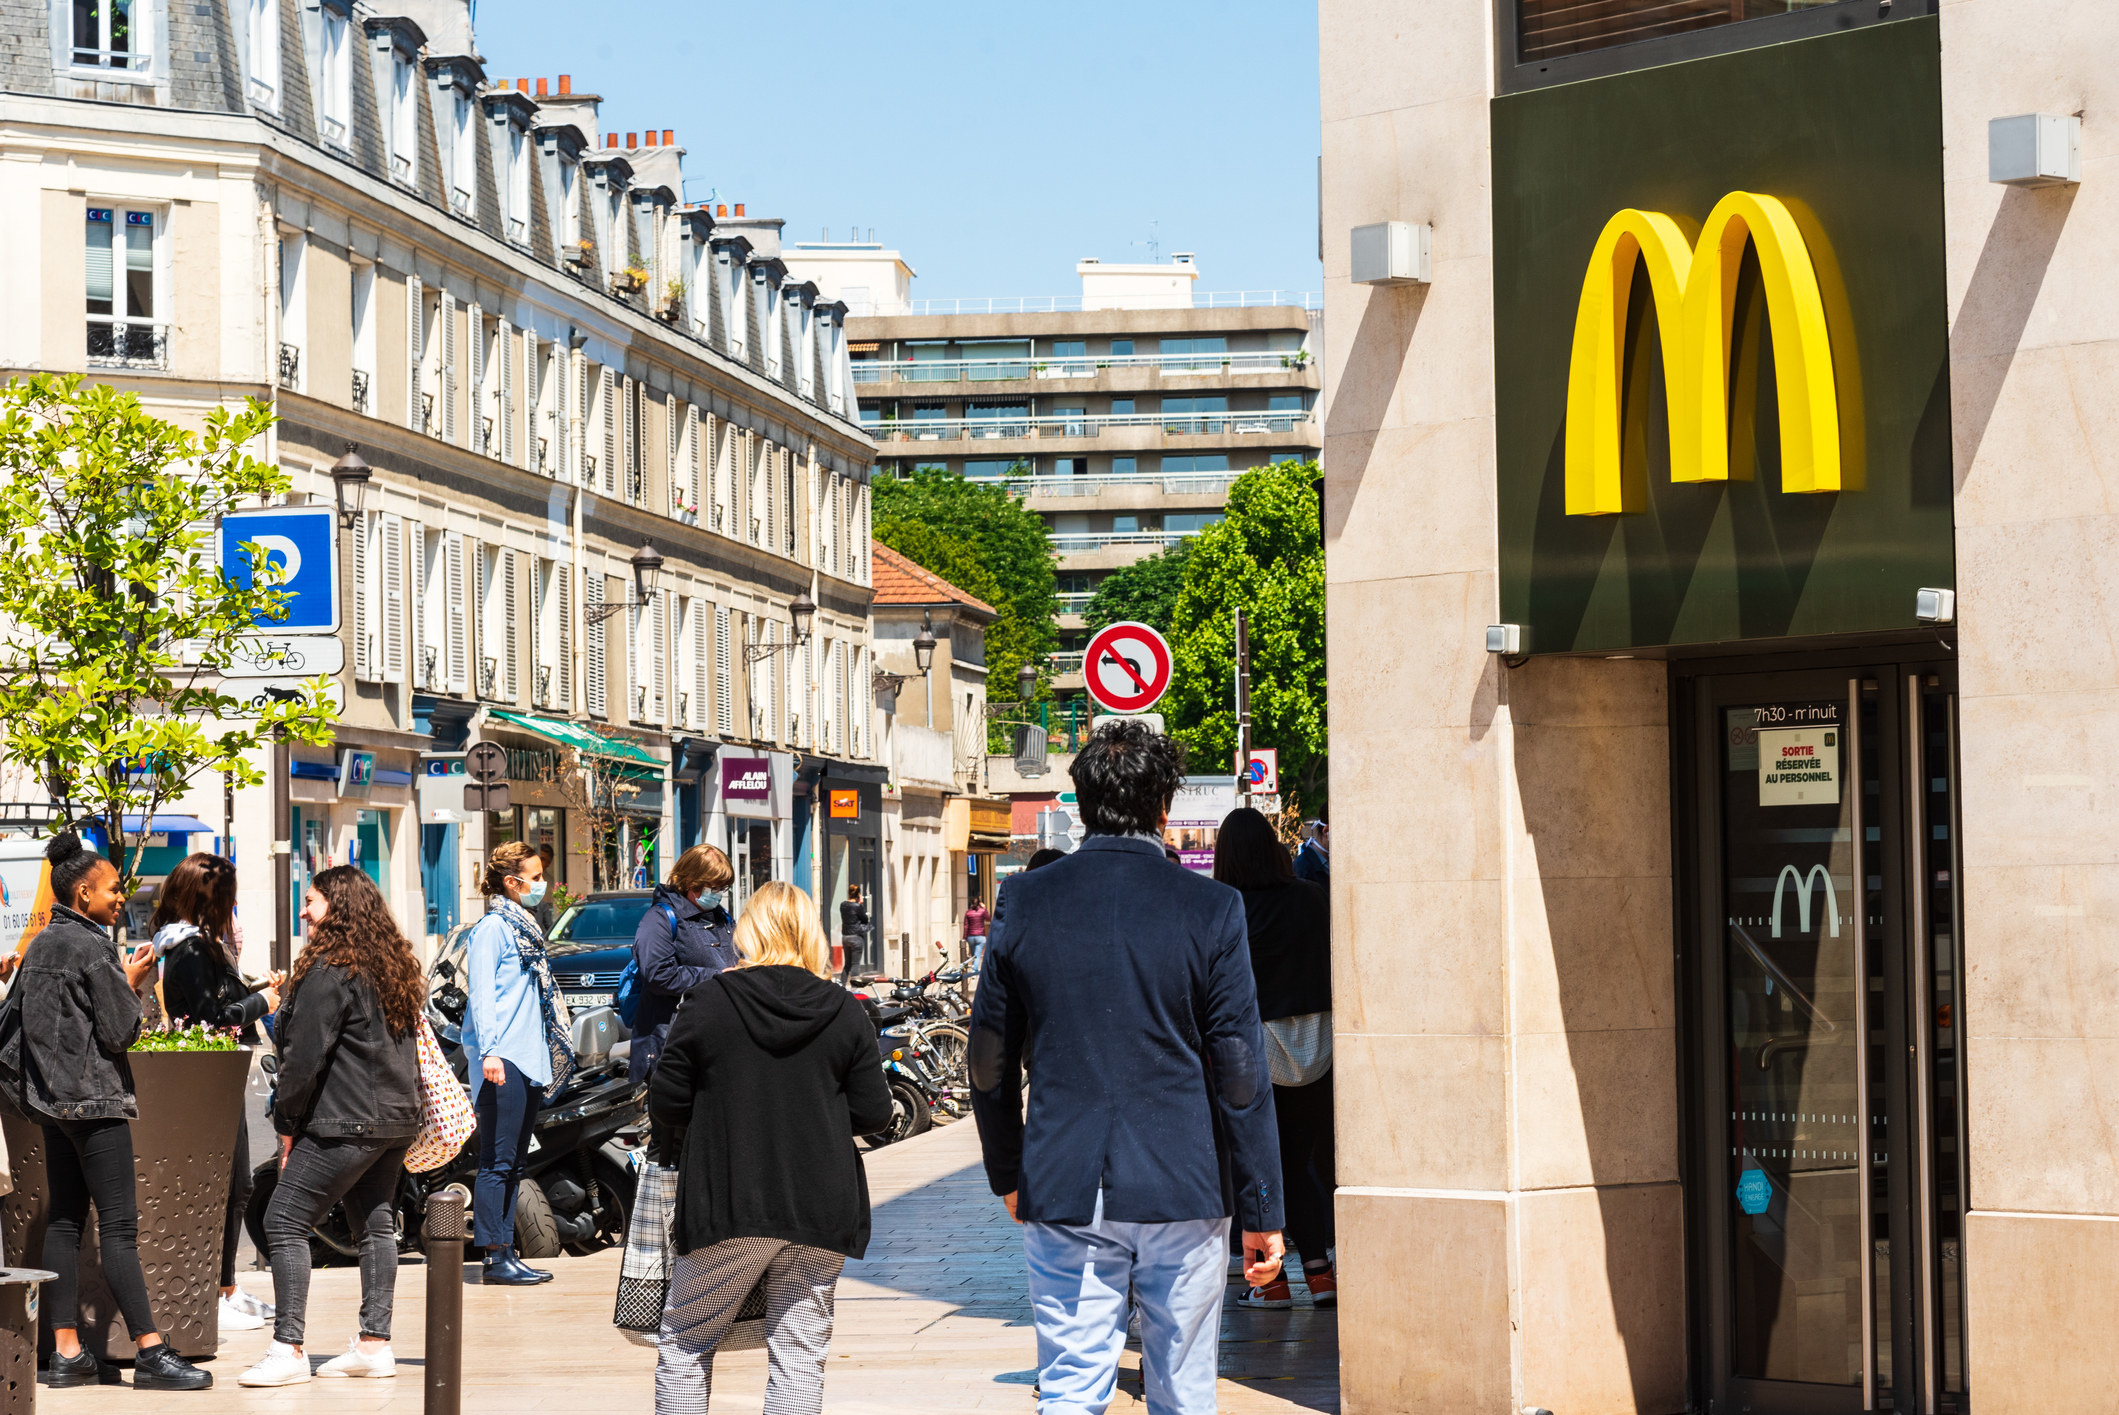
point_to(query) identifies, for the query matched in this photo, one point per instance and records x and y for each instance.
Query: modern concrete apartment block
(1120, 415)
(549, 360)
(1724, 980)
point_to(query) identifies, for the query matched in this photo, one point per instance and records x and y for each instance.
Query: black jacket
(672, 962)
(79, 1018)
(342, 1075)
(1131, 978)
(770, 1073)
(201, 987)
(1313, 865)
(1291, 948)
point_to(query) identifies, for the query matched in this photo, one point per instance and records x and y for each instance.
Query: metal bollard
(445, 1303)
(19, 1292)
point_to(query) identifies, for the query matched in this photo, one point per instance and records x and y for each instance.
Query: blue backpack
(626, 1000)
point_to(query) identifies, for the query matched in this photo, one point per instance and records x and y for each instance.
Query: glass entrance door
(1827, 1085)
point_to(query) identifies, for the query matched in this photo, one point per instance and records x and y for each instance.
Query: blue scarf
(528, 945)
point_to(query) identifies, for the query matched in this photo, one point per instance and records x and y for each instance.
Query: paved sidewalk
(933, 1320)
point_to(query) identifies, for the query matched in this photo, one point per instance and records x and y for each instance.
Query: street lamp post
(349, 482)
(800, 610)
(647, 568)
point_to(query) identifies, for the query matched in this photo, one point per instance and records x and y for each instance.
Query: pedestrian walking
(194, 936)
(348, 1105)
(80, 1010)
(516, 1046)
(1289, 922)
(1151, 1123)
(1313, 862)
(769, 1073)
(853, 930)
(976, 922)
(684, 938)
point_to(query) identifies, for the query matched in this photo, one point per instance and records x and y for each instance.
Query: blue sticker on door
(1754, 1191)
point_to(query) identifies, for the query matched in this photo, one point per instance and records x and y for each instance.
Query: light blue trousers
(1079, 1276)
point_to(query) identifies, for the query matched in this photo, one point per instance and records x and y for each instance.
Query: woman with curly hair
(516, 1047)
(348, 1107)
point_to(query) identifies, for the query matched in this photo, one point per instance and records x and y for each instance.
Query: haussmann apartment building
(619, 492)
(1721, 535)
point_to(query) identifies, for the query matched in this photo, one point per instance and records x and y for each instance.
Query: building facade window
(294, 308)
(460, 142)
(518, 185)
(363, 390)
(109, 34)
(402, 126)
(570, 201)
(335, 89)
(124, 277)
(261, 32)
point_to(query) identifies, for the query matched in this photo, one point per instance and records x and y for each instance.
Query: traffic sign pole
(1243, 706)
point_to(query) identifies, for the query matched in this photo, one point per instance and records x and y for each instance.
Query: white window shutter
(459, 626)
(580, 394)
(393, 638)
(363, 620)
(415, 352)
(768, 667)
(527, 459)
(700, 612)
(506, 433)
(416, 590)
(475, 381)
(693, 431)
(724, 702)
(591, 598)
(566, 637)
(609, 391)
(508, 617)
(860, 702)
(658, 655)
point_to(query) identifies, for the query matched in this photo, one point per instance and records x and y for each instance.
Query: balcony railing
(1082, 425)
(1176, 484)
(1075, 601)
(117, 342)
(1069, 661)
(1065, 366)
(1068, 304)
(1074, 542)
(290, 366)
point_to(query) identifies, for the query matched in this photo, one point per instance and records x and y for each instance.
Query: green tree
(1144, 592)
(120, 614)
(938, 513)
(1267, 556)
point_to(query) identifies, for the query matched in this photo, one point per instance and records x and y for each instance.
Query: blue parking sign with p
(303, 542)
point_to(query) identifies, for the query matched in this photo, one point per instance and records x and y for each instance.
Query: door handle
(1863, 1165)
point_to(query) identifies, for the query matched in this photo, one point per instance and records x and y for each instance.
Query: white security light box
(1935, 606)
(1391, 253)
(1504, 639)
(2035, 150)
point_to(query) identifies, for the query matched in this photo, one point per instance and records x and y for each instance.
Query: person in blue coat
(516, 1046)
(1151, 1124)
(684, 938)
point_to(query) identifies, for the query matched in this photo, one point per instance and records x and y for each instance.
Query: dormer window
(109, 34)
(569, 200)
(460, 144)
(262, 36)
(395, 66)
(517, 147)
(335, 96)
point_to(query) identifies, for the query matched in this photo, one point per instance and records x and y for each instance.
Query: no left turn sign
(1126, 667)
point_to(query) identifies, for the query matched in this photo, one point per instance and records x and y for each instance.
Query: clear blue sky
(995, 145)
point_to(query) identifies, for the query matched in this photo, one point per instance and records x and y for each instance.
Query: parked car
(589, 946)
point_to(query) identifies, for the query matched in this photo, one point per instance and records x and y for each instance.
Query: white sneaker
(234, 1318)
(242, 1301)
(282, 1365)
(361, 1361)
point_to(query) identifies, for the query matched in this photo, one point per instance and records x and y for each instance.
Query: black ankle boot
(160, 1368)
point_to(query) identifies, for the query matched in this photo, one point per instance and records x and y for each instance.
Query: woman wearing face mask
(684, 938)
(82, 1010)
(515, 1041)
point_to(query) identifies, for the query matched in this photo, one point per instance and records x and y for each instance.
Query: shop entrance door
(1822, 979)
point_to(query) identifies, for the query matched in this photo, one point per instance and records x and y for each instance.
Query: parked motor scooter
(914, 1089)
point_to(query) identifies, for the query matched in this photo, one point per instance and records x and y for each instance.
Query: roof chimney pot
(522, 85)
(669, 137)
(566, 83)
(632, 141)
(540, 89)
(739, 208)
(650, 137)
(721, 210)
(610, 139)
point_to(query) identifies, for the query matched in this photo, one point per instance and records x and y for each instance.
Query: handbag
(644, 1272)
(446, 1119)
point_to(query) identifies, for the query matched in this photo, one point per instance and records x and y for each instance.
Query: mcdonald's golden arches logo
(1693, 288)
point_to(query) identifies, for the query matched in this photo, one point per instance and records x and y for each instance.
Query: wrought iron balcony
(117, 342)
(360, 391)
(291, 367)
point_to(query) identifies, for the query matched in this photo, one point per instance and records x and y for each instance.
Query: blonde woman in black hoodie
(769, 1072)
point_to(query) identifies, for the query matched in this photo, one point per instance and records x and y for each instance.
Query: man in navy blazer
(1128, 980)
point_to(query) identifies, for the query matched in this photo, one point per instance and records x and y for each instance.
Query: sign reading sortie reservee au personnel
(1798, 766)
(1126, 667)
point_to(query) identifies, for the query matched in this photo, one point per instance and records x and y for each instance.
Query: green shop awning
(585, 740)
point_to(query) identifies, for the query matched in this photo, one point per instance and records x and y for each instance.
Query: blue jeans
(506, 1113)
(1079, 1276)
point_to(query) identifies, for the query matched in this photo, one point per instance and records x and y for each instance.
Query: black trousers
(507, 1116)
(239, 1187)
(1308, 1173)
(90, 1161)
